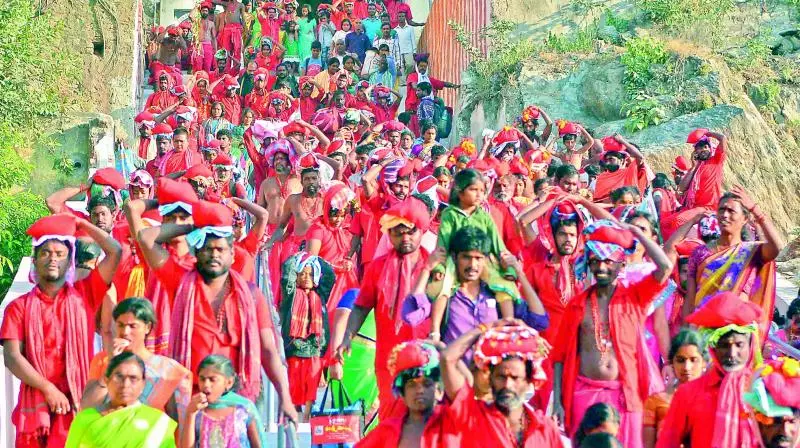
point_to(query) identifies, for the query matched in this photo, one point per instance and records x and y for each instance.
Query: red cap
(186, 25)
(725, 308)
(162, 128)
(144, 116)
(208, 214)
(64, 224)
(681, 164)
(170, 191)
(110, 177)
(611, 144)
(173, 30)
(199, 170)
(411, 210)
(696, 135)
(213, 144)
(207, 4)
(295, 128)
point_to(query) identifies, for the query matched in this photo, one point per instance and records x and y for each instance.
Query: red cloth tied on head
(261, 73)
(61, 224)
(410, 212)
(309, 160)
(566, 127)
(782, 381)
(393, 126)
(696, 135)
(680, 164)
(414, 355)
(608, 241)
(213, 144)
(530, 113)
(269, 5)
(211, 214)
(186, 25)
(162, 129)
(611, 144)
(334, 146)
(505, 136)
(207, 4)
(109, 177)
(412, 166)
(223, 159)
(172, 30)
(170, 191)
(501, 168)
(517, 166)
(295, 128)
(199, 170)
(230, 83)
(337, 197)
(514, 341)
(144, 116)
(305, 81)
(723, 309)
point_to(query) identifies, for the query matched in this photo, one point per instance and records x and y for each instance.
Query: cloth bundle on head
(427, 186)
(307, 162)
(362, 85)
(611, 144)
(61, 227)
(207, 4)
(508, 136)
(173, 195)
(146, 119)
(230, 83)
(200, 172)
(680, 165)
(696, 135)
(212, 145)
(518, 167)
(412, 359)
(725, 312)
(514, 341)
(393, 126)
(338, 197)
(530, 113)
(280, 145)
(775, 391)
(263, 129)
(608, 241)
(305, 81)
(142, 179)
(277, 97)
(210, 218)
(307, 313)
(221, 54)
(708, 227)
(335, 146)
(410, 212)
(381, 92)
(185, 113)
(173, 30)
(566, 128)
(178, 90)
(162, 131)
(352, 116)
(295, 128)
(186, 25)
(107, 182)
(223, 161)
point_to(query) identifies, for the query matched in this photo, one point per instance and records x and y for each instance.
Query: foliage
(683, 14)
(493, 75)
(642, 111)
(767, 96)
(585, 7)
(641, 54)
(755, 53)
(620, 24)
(38, 81)
(580, 42)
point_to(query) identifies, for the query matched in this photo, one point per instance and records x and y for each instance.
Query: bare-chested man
(272, 194)
(230, 37)
(303, 207)
(169, 54)
(207, 38)
(599, 350)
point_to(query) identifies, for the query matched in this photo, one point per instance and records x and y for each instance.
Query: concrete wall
(171, 10)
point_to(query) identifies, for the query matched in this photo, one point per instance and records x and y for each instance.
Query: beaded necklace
(602, 333)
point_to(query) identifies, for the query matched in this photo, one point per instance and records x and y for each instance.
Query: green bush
(642, 111)
(641, 54)
(620, 24)
(17, 212)
(766, 96)
(580, 42)
(683, 14)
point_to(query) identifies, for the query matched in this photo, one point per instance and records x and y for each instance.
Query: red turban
(295, 128)
(696, 135)
(410, 212)
(199, 170)
(109, 177)
(61, 224)
(518, 341)
(725, 308)
(170, 191)
(611, 144)
(211, 214)
(223, 159)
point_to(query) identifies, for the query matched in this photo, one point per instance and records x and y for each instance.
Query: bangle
(434, 334)
(483, 328)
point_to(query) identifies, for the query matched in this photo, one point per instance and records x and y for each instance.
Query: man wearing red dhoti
(414, 367)
(711, 411)
(329, 237)
(182, 156)
(701, 187)
(624, 166)
(612, 366)
(230, 37)
(48, 333)
(163, 97)
(512, 353)
(215, 311)
(387, 281)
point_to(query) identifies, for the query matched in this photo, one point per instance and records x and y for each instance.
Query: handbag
(340, 426)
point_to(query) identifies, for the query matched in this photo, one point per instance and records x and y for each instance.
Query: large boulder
(603, 91)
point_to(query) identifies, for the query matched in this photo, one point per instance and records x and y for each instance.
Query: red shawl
(631, 175)
(306, 314)
(144, 144)
(157, 340)
(180, 340)
(32, 415)
(397, 280)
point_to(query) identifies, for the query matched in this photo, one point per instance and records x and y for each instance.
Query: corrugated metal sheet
(448, 59)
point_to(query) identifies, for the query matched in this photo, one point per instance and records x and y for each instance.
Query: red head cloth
(179, 90)
(501, 168)
(362, 85)
(213, 144)
(295, 128)
(200, 75)
(725, 308)
(223, 159)
(686, 247)
(211, 214)
(412, 166)
(186, 113)
(410, 212)
(393, 126)
(623, 212)
(305, 81)
(162, 129)
(517, 166)
(782, 380)
(199, 170)
(173, 30)
(481, 165)
(611, 144)
(186, 25)
(144, 116)
(507, 135)
(231, 83)
(427, 186)
(170, 191)
(109, 177)
(608, 241)
(207, 4)
(696, 135)
(335, 146)
(60, 224)
(261, 73)
(309, 160)
(417, 356)
(680, 164)
(269, 5)
(515, 341)
(530, 113)
(566, 127)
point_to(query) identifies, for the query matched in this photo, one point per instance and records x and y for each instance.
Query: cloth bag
(340, 426)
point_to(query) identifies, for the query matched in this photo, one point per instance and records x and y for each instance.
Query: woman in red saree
(330, 238)
(746, 268)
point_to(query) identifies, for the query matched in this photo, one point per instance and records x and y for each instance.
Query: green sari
(137, 425)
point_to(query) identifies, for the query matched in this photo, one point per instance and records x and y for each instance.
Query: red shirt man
(182, 157)
(52, 327)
